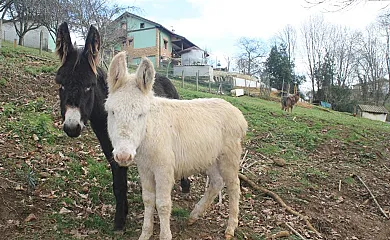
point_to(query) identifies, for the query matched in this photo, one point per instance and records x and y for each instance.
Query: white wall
(192, 57)
(31, 39)
(204, 71)
(373, 116)
(240, 82)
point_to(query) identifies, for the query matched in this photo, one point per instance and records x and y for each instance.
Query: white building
(193, 56)
(193, 63)
(372, 112)
(31, 39)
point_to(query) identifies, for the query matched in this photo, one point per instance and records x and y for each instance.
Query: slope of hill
(54, 187)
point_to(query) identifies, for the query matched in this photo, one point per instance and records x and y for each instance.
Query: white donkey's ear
(145, 75)
(117, 72)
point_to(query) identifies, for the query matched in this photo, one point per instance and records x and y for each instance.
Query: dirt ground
(336, 203)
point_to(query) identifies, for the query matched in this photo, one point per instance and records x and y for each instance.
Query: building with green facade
(142, 37)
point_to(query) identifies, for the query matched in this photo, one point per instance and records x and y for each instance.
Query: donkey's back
(196, 132)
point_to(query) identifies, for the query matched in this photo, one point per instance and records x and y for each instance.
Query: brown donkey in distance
(289, 101)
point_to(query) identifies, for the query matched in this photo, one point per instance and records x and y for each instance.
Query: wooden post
(249, 87)
(1, 31)
(169, 62)
(197, 81)
(260, 89)
(209, 84)
(182, 78)
(14, 43)
(246, 88)
(40, 42)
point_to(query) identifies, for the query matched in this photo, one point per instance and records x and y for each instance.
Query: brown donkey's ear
(63, 42)
(92, 47)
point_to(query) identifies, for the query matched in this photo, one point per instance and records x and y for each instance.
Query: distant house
(193, 56)
(142, 37)
(238, 80)
(372, 112)
(31, 39)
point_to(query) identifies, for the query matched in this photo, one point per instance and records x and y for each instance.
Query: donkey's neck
(98, 116)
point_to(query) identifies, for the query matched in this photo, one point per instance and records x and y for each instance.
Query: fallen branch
(279, 235)
(279, 200)
(39, 58)
(372, 195)
(8, 180)
(295, 231)
(244, 157)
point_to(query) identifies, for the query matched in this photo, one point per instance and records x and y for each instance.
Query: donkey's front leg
(119, 175)
(149, 199)
(164, 183)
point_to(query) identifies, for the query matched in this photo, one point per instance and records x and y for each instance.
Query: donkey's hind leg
(215, 186)
(229, 167)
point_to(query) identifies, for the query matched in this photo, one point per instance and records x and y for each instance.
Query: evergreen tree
(281, 70)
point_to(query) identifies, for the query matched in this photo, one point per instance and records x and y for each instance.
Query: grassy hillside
(66, 183)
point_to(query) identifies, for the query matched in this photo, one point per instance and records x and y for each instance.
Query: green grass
(180, 213)
(302, 131)
(291, 136)
(29, 120)
(7, 50)
(36, 70)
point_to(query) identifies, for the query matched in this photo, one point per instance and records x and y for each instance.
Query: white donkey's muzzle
(123, 157)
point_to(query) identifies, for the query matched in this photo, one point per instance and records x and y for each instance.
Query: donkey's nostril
(123, 157)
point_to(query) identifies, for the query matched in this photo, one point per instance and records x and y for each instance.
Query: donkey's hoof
(192, 221)
(228, 236)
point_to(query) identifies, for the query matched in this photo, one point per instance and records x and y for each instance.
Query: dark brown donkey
(289, 101)
(82, 92)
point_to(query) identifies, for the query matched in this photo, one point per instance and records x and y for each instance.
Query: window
(165, 44)
(142, 25)
(124, 43)
(131, 42)
(124, 26)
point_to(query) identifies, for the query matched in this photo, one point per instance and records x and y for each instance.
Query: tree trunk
(20, 43)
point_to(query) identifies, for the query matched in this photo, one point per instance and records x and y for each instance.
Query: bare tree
(384, 23)
(372, 63)
(314, 32)
(342, 41)
(228, 60)
(288, 37)
(4, 5)
(24, 15)
(249, 60)
(99, 13)
(336, 5)
(53, 13)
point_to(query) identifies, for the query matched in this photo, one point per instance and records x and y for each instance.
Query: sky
(216, 25)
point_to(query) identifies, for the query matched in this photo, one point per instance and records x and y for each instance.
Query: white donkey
(169, 139)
